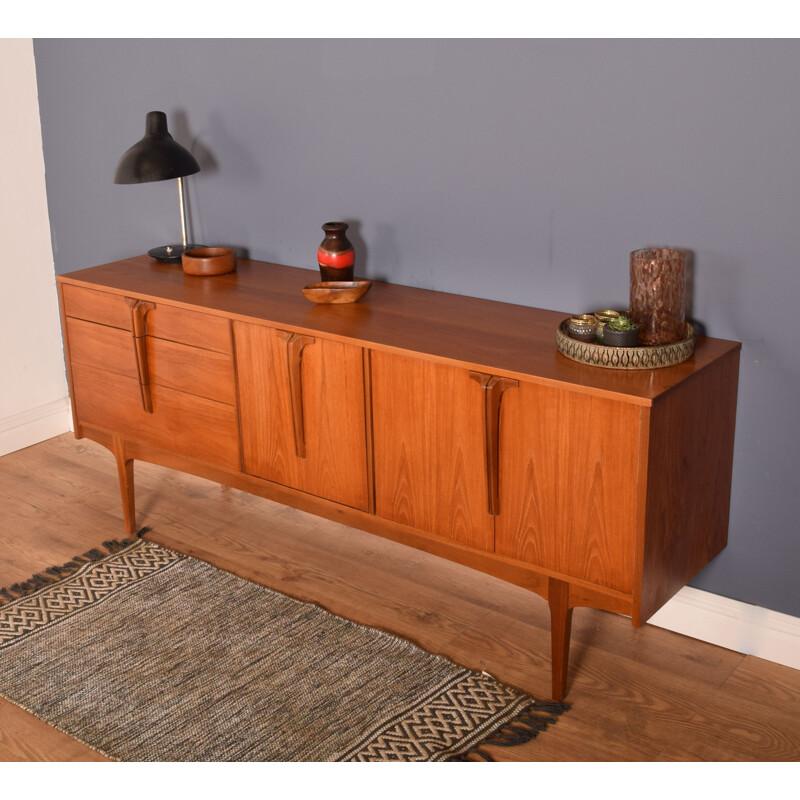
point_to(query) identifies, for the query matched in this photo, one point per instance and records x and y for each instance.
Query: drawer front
(190, 369)
(194, 426)
(190, 327)
(94, 306)
(176, 366)
(193, 328)
(102, 346)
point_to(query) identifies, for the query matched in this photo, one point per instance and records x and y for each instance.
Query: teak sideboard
(447, 423)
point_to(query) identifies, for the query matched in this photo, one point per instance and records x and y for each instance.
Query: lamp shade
(156, 157)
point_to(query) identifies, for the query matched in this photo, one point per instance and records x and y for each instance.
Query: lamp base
(171, 253)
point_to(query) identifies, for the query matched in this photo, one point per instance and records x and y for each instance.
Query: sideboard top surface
(484, 334)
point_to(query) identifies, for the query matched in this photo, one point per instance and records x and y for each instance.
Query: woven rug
(146, 654)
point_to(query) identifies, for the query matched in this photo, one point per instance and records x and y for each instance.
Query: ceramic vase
(335, 255)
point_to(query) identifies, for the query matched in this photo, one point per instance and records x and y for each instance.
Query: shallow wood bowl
(336, 291)
(209, 261)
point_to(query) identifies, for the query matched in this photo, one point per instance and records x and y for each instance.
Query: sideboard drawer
(162, 321)
(101, 346)
(94, 306)
(190, 327)
(204, 373)
(180, 422)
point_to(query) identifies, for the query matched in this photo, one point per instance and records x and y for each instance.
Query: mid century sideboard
(447, 423)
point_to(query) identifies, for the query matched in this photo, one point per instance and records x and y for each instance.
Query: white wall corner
(35, 425)
(33, 404)
(732, 624)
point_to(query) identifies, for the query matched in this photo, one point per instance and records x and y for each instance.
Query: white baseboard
(35, 425)
(732, 624)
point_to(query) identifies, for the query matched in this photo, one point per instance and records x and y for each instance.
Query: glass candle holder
(602, 318)
(582, 327)
(658, 295)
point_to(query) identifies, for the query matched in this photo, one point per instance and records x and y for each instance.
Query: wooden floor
(646, 694)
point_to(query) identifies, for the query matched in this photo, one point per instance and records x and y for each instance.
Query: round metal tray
(599, 355)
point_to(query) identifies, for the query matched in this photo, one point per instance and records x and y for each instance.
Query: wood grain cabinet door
(430, 472)
(569, 472)
(303, 416)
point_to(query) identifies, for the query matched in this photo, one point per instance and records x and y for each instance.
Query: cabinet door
(302, 408)
(568, 483)
(430, 473)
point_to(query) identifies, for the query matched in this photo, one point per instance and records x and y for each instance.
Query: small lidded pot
(582, 327)
(602, 318)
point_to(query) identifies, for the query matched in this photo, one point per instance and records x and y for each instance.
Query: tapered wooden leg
(125, 473)
(560, 628)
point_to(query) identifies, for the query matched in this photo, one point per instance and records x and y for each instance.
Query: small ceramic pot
(582, 327)
(612, 338)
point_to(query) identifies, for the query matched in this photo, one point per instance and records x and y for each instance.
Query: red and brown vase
(336, 256)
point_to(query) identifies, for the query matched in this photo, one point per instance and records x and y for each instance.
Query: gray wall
(522, 170)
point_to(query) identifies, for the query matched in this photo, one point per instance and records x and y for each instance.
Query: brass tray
(640, 357)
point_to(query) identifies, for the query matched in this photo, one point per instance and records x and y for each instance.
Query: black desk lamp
(158, 157)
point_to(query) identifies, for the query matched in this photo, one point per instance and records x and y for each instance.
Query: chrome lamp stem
(183, 211)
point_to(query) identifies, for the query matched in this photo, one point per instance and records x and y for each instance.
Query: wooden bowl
(336, 291)
(209, 261)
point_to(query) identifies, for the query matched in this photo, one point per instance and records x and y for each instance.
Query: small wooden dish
(336, 291)
(209, 261)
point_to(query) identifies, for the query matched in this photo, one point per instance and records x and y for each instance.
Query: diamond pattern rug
(146, 654)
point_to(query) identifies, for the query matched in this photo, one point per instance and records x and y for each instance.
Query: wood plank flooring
(637, 694)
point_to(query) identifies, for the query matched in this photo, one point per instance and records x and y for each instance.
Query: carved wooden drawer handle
(139, 311)
(493, 389)
(295, 344)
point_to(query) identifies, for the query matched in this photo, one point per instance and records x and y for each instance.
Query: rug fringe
(525, 726)
(57, 573)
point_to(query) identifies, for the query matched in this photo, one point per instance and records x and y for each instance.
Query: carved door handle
(493, 389)
(139, 311)
(295, 344)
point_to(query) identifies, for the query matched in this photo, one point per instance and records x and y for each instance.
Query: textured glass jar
(658, 295)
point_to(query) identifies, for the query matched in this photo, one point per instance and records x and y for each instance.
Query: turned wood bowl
(209, 261)
(336, 291)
